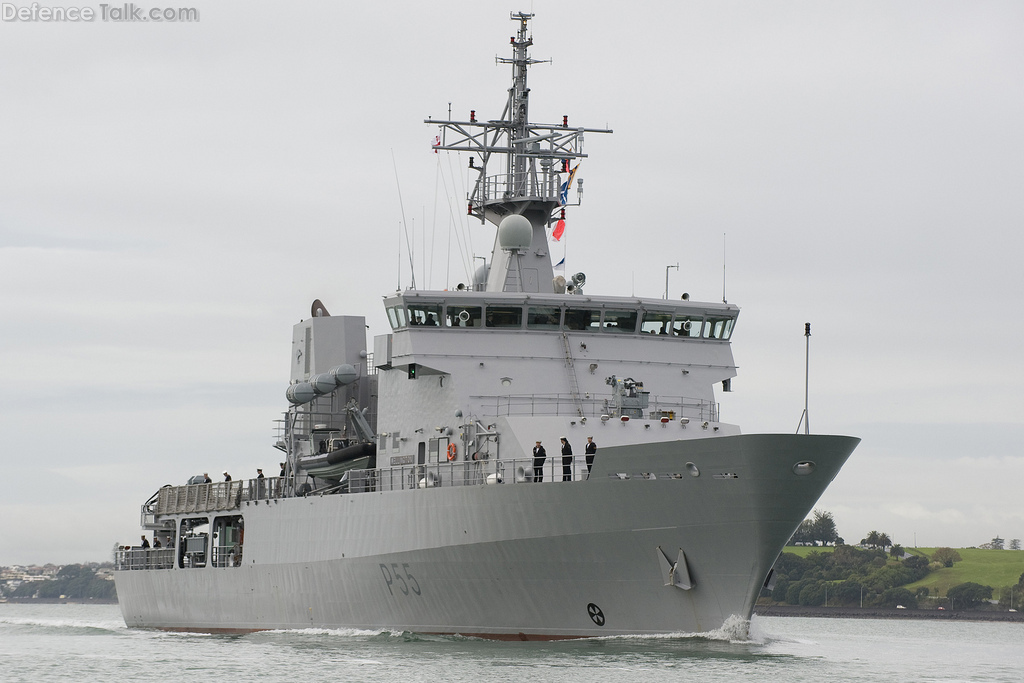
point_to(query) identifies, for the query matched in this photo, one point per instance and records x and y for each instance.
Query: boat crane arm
(360, 423)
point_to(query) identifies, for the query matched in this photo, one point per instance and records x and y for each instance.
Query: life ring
(451, 452)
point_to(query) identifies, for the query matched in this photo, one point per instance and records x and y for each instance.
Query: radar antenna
(530, 160)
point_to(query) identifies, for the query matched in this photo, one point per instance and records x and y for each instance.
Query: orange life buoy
(451, 451)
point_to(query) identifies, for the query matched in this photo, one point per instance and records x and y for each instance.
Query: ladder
(570, 371)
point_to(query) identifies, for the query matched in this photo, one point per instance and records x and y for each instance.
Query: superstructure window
(718, 328)
(504, 316)
(582, 319)
(657, 322)
(543, 318)
(620, 321)
(464, 316)
(688, 325)
(193, 542)
(427, 315)
(227, 541)
(396, 316)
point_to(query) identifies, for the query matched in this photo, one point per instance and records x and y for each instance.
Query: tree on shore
(823, 528)
(819, 529)
(947, 556)
(877, 539)
(802, 535)
(968, 594)
(893, 597)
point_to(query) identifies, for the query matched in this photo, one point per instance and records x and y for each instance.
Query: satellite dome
(515, 233)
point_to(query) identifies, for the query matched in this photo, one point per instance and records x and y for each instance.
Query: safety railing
(672, 407)
(553, 468)
(143, 558)
(529, 184)
(265, 489)
(229, 555)
(221, 495)
(213, 497)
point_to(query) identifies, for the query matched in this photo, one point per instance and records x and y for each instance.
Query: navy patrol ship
(411, 496)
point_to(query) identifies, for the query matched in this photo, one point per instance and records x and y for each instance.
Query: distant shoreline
(883, 613)
(60, 601)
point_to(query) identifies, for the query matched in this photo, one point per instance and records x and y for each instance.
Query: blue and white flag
(567, 184)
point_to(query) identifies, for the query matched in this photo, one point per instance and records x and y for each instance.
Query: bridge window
(396, 316)
(582, 319)
(657, 322)
(620, 321)
(718, 328)
(543, 318)
(464, 316)
(688, 325)
(428, 315)
(504, 316)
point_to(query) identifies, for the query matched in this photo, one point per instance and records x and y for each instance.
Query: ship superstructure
(413, 495)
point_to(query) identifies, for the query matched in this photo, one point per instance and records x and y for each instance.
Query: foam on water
(736, 629)
(43, 622)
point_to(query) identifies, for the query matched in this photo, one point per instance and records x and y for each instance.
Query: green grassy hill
(996, 568)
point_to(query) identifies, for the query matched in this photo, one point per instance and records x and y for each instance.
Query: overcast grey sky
(174, 195)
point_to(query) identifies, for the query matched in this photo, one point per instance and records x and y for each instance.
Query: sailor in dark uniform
(539, 456)
(566, 460)
(591, 450)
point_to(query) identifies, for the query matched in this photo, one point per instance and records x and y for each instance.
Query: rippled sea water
(90, 642)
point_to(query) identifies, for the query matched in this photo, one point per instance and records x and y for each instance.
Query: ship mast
(535, 160)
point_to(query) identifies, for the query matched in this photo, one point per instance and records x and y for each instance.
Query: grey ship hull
(514, 560)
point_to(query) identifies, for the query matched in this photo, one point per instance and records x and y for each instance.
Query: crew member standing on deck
(566, 460)
(591, 450)
(539, 456)
(227, 477)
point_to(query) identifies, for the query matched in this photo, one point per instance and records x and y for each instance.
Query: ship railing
(467, 473)
(526, 185)
(212, 497)
(143, 558)
(265, 489)
(229, 555)
(672, 407)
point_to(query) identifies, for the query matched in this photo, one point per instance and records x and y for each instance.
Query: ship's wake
(736, 629)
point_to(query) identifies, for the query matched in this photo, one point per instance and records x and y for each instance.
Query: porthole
(803, 468)
(692, 469)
